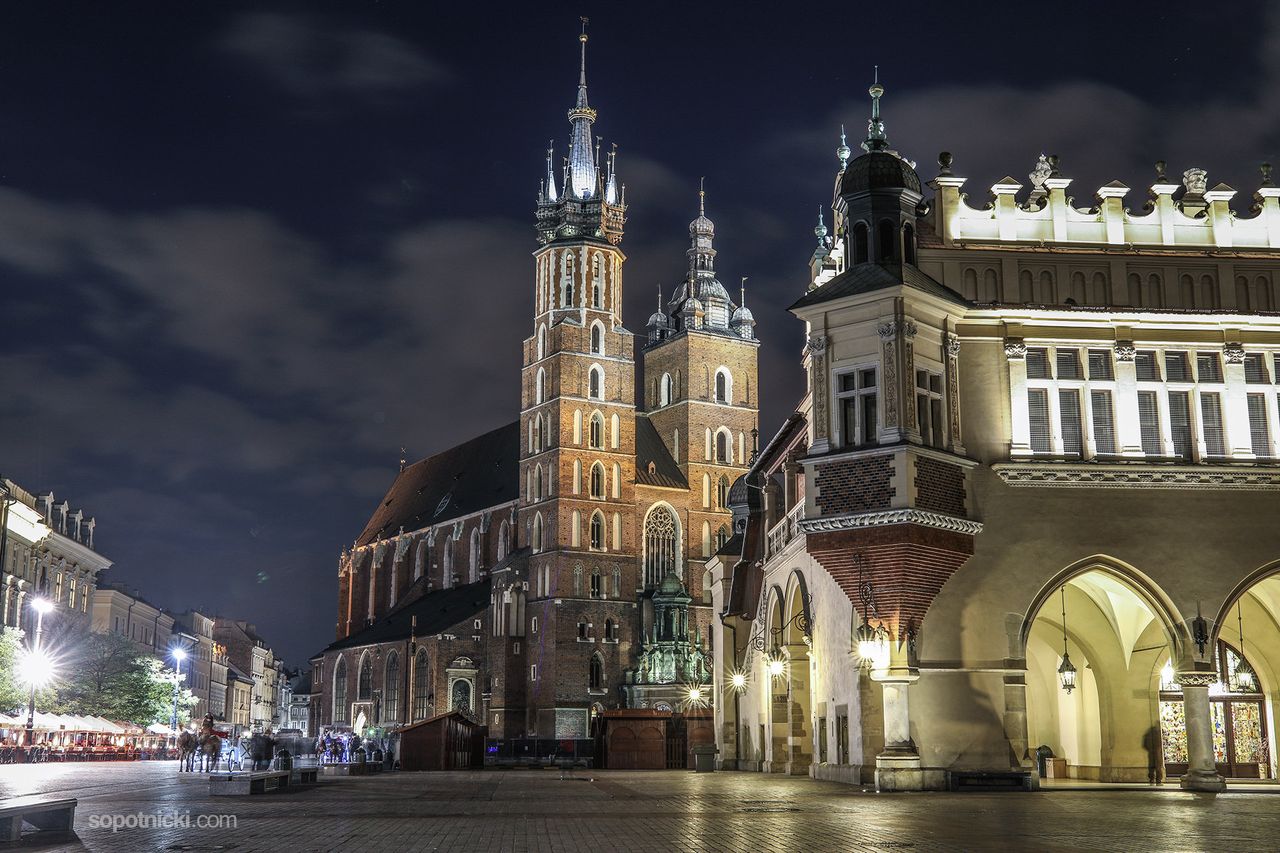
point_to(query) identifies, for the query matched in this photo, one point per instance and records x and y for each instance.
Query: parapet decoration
(1178, 214)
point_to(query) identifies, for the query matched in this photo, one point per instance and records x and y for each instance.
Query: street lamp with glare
(179, 655)
(37, 669)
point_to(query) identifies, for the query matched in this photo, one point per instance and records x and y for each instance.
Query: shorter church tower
(702, 393)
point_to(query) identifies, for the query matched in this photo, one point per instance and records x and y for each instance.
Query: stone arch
(724, 385)
(662, 537)
(420, 558)
(476, 556)
(1119, 631)
(1146, 588)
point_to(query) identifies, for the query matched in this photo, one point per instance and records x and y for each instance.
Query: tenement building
(554, 568)
(1022, 522)
(47, 551)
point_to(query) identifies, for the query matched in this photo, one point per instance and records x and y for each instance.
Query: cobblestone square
(635, 811)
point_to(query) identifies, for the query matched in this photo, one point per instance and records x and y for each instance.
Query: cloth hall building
(554, 568)
(1022, 523)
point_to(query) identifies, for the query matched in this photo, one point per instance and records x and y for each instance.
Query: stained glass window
(1173, 732)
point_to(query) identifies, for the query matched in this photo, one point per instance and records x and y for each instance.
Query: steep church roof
(651, 448)
(435, 612)
(477, 474)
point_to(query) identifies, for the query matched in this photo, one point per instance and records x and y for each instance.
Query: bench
(44, 816)
(305, 776)
(242, 784)
(344, 768)
(984, 780)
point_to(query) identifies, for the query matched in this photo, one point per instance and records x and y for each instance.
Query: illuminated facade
(1038, 450)
(46, 549)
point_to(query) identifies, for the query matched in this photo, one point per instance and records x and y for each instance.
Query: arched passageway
(1093, 678)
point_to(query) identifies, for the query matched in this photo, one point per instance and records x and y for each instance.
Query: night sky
(248, 251)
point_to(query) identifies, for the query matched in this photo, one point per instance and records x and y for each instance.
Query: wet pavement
(543, 810)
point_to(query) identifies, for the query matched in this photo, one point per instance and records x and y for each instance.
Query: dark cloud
(309, 57)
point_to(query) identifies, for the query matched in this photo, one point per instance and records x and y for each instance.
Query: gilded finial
(821, 231)
(742, 292)
(702, 196)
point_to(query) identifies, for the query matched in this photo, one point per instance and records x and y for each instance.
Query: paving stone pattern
(545, 810)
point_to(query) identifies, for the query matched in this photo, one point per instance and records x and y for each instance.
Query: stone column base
(899, 773)
(1202, 781)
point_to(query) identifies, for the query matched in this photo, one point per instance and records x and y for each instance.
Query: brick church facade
(514, 576)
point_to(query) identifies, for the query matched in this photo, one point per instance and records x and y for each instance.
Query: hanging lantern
(1244, 679)
(1067, 673)
(777, 663)
(870, 644)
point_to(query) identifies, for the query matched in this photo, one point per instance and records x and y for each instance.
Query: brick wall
(939, 486)
(855, 485)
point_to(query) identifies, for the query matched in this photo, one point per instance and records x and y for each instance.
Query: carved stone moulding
(893, 516)
(1196, 679)
(1233, 353)
(1137, 475)
(1015, 349)
(1126, 351)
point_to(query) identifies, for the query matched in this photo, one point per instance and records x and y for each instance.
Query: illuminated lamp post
(179, 655)
(37, 669)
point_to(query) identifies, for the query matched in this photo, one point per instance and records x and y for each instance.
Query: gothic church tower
(577, 437)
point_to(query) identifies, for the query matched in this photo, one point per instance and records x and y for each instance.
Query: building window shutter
(1069, 412)
(1068, 363)
(1100, 364)
(1038, 413)
(1255, 368)
(1144, 363)
(1258, 433)
(1209, 367)
(1180, 423)
(1038, 364)
(1104, 425)
(1149, 421)
(1215, 443)
(1176, 367)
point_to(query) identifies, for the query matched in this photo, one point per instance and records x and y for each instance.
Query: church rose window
(659, 545)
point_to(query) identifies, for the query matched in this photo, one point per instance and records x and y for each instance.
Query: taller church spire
(591, 205)
(584, 179)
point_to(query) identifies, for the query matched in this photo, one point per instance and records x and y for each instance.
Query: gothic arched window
(724, 454)
(566, 282)
(595, 383)
(597, 281)
(540, 386)
(597, 338)
(536, 539)
(391, 689)
(364, 686)
(542, 342)
(597, 480)
(724, 386)
(665, 393)
(722, 536)
(340, 690)
(460, 700)
(504, 540)
(421, 686)
(596, 435)
(596, 677)
(659, 545)
(597, 531)
(610, 629)
(474, 573)
(722, 492)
